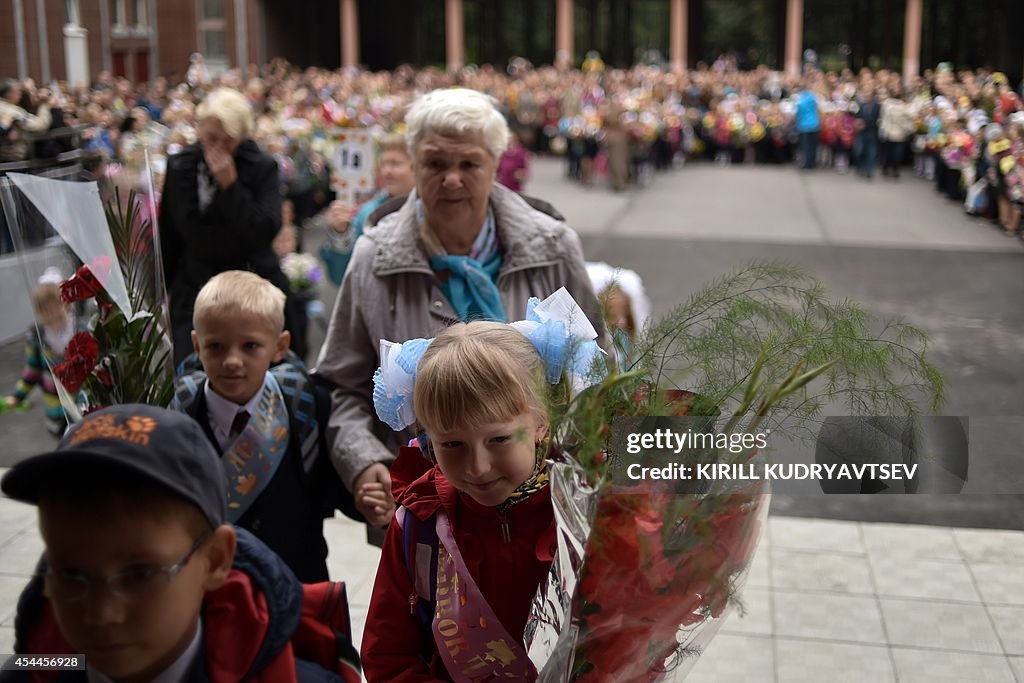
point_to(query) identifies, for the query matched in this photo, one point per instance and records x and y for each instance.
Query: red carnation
(85, 283)
(103, 375)
(80, 358)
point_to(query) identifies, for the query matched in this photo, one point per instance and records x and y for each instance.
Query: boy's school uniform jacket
(396, 647)
(285, 516)
(261, 626)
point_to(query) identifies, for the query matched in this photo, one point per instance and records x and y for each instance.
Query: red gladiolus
(85, 283)
(632, 570)
(104, 377)
(105, 308)
(80, 359)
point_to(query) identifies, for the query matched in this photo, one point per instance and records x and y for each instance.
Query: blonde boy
(238, 334)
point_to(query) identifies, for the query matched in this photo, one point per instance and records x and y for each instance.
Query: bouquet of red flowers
(125, 354)
(644, 574)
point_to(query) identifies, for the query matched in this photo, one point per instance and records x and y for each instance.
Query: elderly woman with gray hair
(462, 247)
(221, 210)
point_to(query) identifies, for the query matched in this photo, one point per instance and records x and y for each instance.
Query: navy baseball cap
(165, 447)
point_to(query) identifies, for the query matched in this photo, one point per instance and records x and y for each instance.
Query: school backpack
(324, 633)
(419, 550)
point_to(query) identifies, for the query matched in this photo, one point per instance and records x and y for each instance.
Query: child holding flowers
(474, 535)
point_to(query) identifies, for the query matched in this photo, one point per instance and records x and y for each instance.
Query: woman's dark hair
(28, 102)
(7, 85)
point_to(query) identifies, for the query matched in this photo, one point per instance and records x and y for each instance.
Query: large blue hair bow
(394, 381)
(566, 341)
(557, 328)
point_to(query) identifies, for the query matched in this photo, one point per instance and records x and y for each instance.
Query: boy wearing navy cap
(142, 575)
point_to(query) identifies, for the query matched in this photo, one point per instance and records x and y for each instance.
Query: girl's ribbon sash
(472, 642)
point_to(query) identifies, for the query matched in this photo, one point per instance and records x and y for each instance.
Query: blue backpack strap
(309, 409)
(419, 548)
(292, 377)
(188, 382)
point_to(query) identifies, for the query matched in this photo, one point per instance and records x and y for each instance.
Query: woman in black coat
(220, 210)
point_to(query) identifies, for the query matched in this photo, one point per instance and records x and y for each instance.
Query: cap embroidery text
(135, 429)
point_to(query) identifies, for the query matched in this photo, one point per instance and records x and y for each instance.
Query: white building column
(105, 36)
(19, 39)
(454, 38)
(153, 23)
(794, 36)
(677, 34)
(912, 41)
(76, 49)
(44, 42)
(564, 25)
(349, 33)
(241, 37)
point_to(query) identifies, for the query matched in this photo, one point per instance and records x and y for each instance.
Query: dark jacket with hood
(285, 515)
(251, 628)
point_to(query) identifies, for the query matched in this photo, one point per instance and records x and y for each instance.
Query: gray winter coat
(390, 292)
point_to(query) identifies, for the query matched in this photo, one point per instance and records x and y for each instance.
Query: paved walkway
(825, 601)
(771, 205)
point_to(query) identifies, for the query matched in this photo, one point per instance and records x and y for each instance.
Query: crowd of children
(718, 113)
(187, 544)
(614, 126)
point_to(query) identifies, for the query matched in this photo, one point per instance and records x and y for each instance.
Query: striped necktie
(238, 424)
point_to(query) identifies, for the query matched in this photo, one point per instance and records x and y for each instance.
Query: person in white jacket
(16, 123)
(897, 123)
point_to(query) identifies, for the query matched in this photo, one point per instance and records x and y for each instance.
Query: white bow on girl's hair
(557, 327)
(51, 276)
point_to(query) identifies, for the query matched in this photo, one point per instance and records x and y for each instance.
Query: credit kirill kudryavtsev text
(771, 471)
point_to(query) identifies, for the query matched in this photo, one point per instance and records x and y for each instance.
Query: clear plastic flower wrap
(123, 354)
(643, 575)
(642, 578)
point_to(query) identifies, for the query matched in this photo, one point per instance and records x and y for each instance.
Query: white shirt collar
(220, 412)
(177, 672)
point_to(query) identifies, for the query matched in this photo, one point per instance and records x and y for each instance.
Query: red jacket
(261, 626)
(507, 574)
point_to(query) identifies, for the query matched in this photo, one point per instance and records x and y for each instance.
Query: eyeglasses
(138, 582)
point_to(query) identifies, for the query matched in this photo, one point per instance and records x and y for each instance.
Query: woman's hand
(221, 165)
(338, 217)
